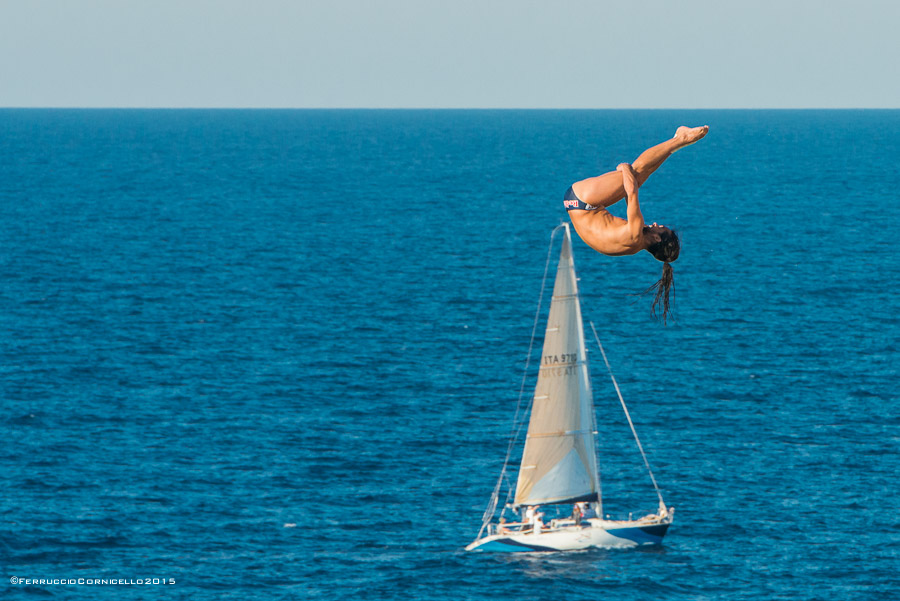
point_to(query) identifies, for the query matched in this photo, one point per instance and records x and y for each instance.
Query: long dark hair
(665, 250)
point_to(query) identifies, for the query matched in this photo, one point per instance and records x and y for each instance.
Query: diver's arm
(635, 217)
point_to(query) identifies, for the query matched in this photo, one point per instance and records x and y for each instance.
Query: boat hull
(600, 534)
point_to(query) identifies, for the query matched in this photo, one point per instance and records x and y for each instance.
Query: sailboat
(559, 460)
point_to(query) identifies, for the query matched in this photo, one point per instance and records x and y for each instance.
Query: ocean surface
(277, 354)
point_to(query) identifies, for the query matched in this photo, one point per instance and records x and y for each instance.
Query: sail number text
(559, 365)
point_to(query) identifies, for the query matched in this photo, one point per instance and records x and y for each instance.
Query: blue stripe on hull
(508, 545)
(648, 535)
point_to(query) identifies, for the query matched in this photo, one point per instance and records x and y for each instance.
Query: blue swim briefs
(572, 202)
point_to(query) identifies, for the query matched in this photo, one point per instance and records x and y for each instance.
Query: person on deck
(587, 200)
(501, 527)
(537, 522)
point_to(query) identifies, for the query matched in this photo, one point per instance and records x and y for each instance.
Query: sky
(450, 53)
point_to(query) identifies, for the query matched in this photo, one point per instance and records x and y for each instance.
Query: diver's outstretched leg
(607, 189)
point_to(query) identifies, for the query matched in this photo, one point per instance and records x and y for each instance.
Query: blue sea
(276, 354)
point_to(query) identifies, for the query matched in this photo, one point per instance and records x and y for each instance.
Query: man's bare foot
(688, 135)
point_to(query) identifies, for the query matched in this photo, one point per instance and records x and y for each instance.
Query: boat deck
(568, 524)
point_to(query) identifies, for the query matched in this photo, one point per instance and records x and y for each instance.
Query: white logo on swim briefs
(574, 205)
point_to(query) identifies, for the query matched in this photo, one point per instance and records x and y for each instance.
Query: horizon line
(447, 108)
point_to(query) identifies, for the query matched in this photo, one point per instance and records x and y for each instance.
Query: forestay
(559, 464)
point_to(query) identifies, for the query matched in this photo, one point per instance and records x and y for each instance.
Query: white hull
(591, 533)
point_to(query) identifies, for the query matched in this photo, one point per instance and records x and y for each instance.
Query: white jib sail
(559, 463)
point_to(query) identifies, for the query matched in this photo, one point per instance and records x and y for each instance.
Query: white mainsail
(559, 463)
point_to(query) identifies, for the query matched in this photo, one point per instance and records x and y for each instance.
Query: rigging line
(517, 427)
(662, 504)
(509, 494)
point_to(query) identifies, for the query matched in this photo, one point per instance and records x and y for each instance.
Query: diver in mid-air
(587, 200)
